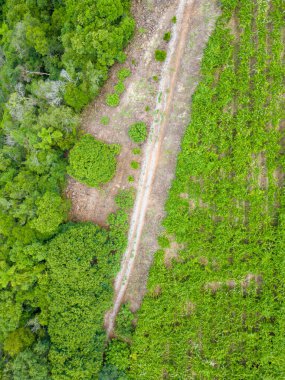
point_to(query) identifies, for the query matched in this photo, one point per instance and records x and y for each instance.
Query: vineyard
(216, 310)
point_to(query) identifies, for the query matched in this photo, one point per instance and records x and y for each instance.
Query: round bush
(138, 132)
(160, 55)
(112, 100)
(92, 162)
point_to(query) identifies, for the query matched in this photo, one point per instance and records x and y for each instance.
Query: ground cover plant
(160, 55)
(217, 310)
(138, 132)
(54, 58)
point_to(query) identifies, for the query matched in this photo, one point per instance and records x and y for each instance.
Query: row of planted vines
(216, 309)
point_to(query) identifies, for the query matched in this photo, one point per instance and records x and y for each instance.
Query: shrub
(18, 340)
(160, 55)
(136, 151)
(119, 88)
(112, 100)
(92, 162)
(167, 36)
(135, 165)
(131, 178)
(118, 354)
(125, 199)
(147, 108)
(105, 120)
(121, 57)
(174, 19)
(138, 132)
(124, 73)
(155, 78)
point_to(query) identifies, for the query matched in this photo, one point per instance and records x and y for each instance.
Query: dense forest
(216, 309)
(54, 57)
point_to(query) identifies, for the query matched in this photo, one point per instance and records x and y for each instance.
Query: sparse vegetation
(138, 132)
(136, 151)
(123, 74)
(105, 120)
(125, 199)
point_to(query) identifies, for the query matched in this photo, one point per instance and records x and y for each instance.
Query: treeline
(54, 57)
(216, 311)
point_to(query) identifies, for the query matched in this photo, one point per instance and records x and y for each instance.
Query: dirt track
(180, 32)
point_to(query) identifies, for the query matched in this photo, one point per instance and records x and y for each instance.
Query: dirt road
(156, 135)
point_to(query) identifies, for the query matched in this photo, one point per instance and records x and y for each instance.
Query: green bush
(92, 162)
(18, 340)
(160, 55)
(112, 100)
(119, 88)
(124, 73)
(125, 199)
(167, 36)
(136, 151)
(135, 165)
(138, 132)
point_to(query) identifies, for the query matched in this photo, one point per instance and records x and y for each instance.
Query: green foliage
(216, 311)
(123, 73)
(118, 354)
(167, 36)
(131, 178)
(105, 120)
(119, 88)
(138, 132)
(160, 55)
(18, 340)
(163, 241)
(124, 328)
(125, 199)
(135, 165)
(51, 212)
(174, 19)
(136, 151)
(81, 268)
(92, 162)
(113, 100)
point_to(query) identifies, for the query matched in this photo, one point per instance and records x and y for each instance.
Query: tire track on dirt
(152, 153)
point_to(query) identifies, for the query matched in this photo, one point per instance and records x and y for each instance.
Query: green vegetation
(174, 19)
(113, 100)
(136, 151)
(123, 74)
(131, 178)
(92, 162)
(82, 267)
(54, 58)
(217, 310)
(138, 132)
(105, 120)
(167, 36)
(119, 88)
(160, 55)
(125, 199)
(135, 165)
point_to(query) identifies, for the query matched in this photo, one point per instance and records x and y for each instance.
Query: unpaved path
(157, 131)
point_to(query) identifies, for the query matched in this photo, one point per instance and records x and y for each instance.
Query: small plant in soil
(174, 19)
(160, 55)
(136, 151)
(167, 36)
(112, 100)
(131, 178)
(105, 120)
(138, 132)
(119, 88)
(155, 78)
(123, 74)
(135, 165)
(147, 108)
